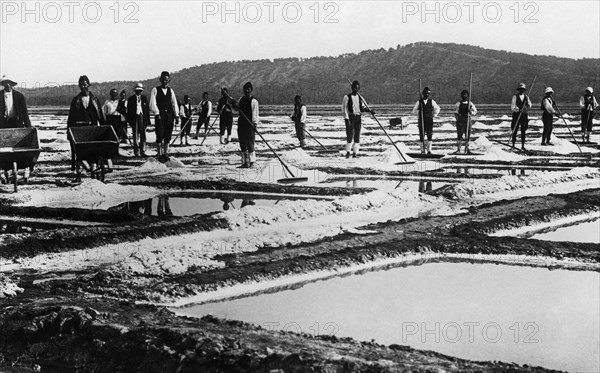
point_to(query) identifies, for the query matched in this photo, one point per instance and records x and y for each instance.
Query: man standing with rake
(587, 102)
(163, 104)
(352, 107)
(520, 105)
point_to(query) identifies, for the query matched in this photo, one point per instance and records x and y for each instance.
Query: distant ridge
(386, 76)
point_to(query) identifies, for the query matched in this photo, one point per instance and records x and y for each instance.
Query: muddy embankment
(90, 321)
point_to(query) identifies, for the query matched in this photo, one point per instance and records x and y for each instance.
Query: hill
(386, 76)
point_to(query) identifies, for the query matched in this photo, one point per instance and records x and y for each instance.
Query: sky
(54, 42)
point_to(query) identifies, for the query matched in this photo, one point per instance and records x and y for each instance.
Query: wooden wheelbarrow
(19, 149)
(94, 148)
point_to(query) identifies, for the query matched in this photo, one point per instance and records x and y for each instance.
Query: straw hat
(521, 86)
(138, 87)
(549, 90)
(590, 89)
(7, 80)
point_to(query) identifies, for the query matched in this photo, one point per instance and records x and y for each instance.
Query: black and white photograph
(299, 186)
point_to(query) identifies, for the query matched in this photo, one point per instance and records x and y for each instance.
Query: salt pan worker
(426, 109)
(548, 107)
(85, 110)
(247, 105)
(299, 118)
(463, 112)
(13, 109)
(204, 113)
(352, 107)
(185, 112)
(588, 103)
(138, 116)
(520, 105)
(163, 105)
(110, 110)
(224, 108)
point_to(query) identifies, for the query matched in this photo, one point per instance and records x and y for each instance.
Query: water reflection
(167, 206)
(479, 312)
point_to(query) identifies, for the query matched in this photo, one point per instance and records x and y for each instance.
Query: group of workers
(135, 111)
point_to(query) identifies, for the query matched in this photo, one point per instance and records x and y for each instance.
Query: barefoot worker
(426, 109)
(163, 105)
(520, 105)
(299, 118)
(204, 112)
(13, 109)
(225, 117)
(185, 113)
(549, 111)
(588, 103)
(463, 111)
(247, 105)
(138, 116)
(352, 107)
(85, 110)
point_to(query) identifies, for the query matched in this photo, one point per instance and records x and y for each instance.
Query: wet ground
(77, 281)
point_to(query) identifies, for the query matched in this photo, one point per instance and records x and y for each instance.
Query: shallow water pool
(474, 311)
(588, 231)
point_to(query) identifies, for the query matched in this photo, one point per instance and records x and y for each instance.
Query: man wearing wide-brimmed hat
(588, 103)
(549, 108)
(520, 105)
(13, 109)
(138, 116)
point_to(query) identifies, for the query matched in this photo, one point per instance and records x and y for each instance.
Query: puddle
(488, 171)
(588, 231)
(515, 314)
(181, 206)
(384, 185)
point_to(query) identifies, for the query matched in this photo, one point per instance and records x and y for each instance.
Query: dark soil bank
(90, 323)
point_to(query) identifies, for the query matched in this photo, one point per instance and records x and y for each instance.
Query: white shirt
(138, 106)
(548, 106)
(355, 106)
(110, 108)
(303, 114)
(85, 100)
(436, 107)
(154, 108)
(513, 104)
(8, 105)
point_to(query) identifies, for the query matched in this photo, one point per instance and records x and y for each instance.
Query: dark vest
(122, 107)
(164, 101)
(463, 108)
(187, 110)
(224, 106)
(298, 113)
(587, 101)
(521, 103)
(351, 104)
(246, 108)
(204, 110)
(427, 108)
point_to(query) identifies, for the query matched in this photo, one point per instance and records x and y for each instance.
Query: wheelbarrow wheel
(102, 169)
